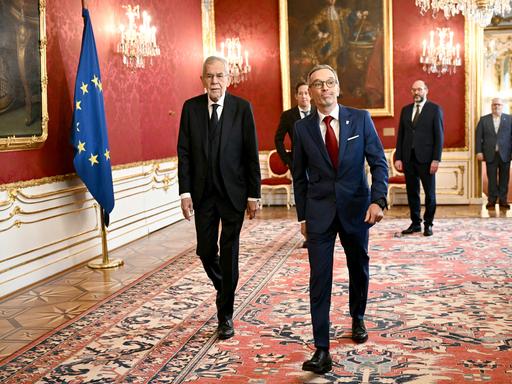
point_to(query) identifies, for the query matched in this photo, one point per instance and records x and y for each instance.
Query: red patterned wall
(137, 103)
(257, 24)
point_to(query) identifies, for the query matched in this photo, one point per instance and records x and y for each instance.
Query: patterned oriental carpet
(439, 312)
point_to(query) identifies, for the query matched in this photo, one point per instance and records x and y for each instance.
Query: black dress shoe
(505, 205)
(490, 205)
(226, 330)
(412, 228)
(359, 333)
(428, 231)
(320, 363)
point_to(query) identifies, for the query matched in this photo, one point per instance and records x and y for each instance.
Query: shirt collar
(220, 102)
(422, 104)
(335, 113)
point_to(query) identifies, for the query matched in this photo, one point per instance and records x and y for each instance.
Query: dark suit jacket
(427, 136)
(486, 137)
(286, 124)
(238, 154)
(320, 192)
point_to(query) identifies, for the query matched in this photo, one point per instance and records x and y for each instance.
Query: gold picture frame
(23, 75)
(358, 44)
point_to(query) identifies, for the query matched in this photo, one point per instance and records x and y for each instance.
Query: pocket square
(353, 137)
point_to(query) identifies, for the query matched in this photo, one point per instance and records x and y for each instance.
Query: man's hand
(186, 208)
(399, 166)
(434, 166)
(374, 214)
(303, 230)
(480, 156)
(252, 206)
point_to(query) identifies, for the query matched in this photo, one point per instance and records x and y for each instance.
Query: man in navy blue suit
(333, 198)
(494, 145)
(419, 146)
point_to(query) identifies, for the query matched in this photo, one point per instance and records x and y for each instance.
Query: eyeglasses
(318, 84)
(220, 76)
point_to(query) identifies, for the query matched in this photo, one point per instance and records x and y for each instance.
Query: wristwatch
(382, 203)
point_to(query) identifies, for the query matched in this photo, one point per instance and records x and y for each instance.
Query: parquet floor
(34, 311)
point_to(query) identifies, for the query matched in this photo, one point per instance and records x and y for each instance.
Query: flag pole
(105, 262)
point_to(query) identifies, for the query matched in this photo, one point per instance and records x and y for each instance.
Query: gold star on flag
(77, 124)
(80, 147)
(84, 88)
(100, 86)
(107, 154)
(95, 80)
(93, 159)
(78, 107)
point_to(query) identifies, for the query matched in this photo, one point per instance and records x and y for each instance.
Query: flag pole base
(102, 264)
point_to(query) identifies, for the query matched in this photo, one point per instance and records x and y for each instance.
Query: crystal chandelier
(231, 50)
(137, 42)
(481, 11)
(443, 57)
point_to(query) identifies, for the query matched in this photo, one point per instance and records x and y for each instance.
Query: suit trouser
(320, 250)
(219, 256)
(498, 175)
(415, 172)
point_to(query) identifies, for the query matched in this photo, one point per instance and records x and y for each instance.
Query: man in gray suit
(494, 144)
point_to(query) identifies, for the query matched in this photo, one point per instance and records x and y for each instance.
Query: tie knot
(214, 107)
(327, 120)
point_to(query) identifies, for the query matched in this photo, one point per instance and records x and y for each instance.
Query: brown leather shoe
(359, 333)
(320, 363)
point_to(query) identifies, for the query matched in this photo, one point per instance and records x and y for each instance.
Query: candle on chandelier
(424, 51)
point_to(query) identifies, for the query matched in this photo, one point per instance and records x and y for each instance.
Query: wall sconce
(137, 42)
(441, 58)
(231, 50)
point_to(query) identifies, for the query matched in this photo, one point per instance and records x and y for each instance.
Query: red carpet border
(439, 312)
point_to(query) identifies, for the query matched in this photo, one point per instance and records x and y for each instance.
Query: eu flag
(89, 130)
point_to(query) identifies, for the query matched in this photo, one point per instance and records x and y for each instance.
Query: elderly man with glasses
(333, 199)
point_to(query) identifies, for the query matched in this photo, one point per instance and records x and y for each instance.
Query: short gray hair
(212, 59)
(322, 66)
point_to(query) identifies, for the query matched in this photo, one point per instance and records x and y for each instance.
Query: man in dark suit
(287, 122)
(494, 144)
(288, 119)
(219, 177)
(419, 146)
(333, 198)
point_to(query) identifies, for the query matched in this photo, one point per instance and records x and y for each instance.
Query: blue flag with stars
(89, 132)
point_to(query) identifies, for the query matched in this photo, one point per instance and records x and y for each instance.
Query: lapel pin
(347, 121)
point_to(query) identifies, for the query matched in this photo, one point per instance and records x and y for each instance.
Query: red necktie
(330, 142)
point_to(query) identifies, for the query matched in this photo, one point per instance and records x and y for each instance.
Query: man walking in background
(494, 144)
(219, 178)
(288, 119)
(419, 146)
(287, 122)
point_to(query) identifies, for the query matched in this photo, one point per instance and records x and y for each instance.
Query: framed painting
(23, 76)
(352, 36)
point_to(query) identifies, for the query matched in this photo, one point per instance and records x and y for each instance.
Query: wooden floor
(32, 312)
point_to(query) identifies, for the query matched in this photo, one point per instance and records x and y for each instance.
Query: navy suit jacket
(238, 154)
(427, 136)
(486, 137)
(320, 191)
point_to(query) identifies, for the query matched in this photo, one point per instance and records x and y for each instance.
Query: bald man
(418, 153)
